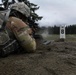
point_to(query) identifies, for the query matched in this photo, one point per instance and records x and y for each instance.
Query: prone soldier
(21, 30)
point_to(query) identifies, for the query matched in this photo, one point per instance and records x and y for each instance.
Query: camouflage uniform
(20, 29)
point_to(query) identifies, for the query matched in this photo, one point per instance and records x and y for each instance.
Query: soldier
(20, 29)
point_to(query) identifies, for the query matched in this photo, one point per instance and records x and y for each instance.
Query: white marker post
(62, 32)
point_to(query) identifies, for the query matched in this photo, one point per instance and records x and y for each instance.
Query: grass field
(56, 37)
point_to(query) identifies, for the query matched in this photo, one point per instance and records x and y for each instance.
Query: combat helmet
(22, 8)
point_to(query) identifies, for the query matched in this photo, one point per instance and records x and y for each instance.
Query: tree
(6, 3)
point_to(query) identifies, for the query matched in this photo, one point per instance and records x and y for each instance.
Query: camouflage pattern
(2, 16)
(4, 38)
(3, 34)
(22, 8)
(22, 33)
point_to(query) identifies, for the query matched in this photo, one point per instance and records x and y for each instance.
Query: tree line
(70, 29)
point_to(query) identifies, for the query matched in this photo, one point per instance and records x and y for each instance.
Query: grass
(56, 37)
(71, 37)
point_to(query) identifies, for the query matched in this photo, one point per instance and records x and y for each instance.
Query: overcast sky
(56, 11)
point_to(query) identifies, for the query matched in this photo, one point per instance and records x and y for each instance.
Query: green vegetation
(57, 37)
(70, 29)
(71, 37)
(51, 37)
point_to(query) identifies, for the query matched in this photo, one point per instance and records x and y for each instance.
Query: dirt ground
(56, 58)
